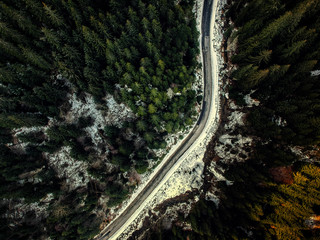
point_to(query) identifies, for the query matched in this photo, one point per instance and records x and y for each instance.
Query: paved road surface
(112, 231)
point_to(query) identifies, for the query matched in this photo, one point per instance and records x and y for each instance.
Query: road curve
(115, 228)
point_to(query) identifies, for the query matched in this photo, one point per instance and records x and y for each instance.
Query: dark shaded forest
(275, 194)
(134, 50)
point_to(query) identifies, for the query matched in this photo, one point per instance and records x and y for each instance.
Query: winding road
(116, 227)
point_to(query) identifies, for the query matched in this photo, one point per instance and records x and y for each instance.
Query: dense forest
(141, 53)
(275, 194)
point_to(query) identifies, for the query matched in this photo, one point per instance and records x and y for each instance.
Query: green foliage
(111, 131)
(141, 167)
(64, 133)
(11, 121)
(122, 161)
(277, 48)
(117, 194)
(135, 50)
(32, 137)
(78, 223)
(148, 136)
(278, 53)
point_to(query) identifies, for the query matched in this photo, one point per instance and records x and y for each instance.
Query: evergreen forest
(141, 53)
(277, 59)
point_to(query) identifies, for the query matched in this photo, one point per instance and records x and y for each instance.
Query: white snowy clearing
(115, 115)
(19, 210)
(74, 172)
(229, 148)
(304, 155)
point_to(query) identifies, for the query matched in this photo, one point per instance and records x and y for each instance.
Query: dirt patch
(282, 174)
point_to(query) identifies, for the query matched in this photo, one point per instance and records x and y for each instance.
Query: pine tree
(155, 119)
(11, 121)
(94, 40)
(10, 33)
(35, 8)
(55, 18)
(25, 23)
(152, 109)
(293, 204)
(71, 53)
(292, 50)
(10, 49)
(141, 125)
(148, 136)
(256, 77)
(52, 37)
(100, 27)
(263, 57)
(35, 59)
(278, 71)
(152, 12)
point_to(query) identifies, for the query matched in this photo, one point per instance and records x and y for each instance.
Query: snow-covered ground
(230, 147)
(306, 155)
(74, 172)
(18, 209)
(171, 214)
(115, 114)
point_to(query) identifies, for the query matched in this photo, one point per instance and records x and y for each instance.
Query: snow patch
(315, 73)
(212, 196)
(235, 119)
(279, 121)
(115, 114)
(187, 177)
(233, 106)
(18, 209)
(74, 172)
(232, 148)
(250, 101)
(170, 215)
(217, 171)
(26, 130)
(298, 152)
(170, 93)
